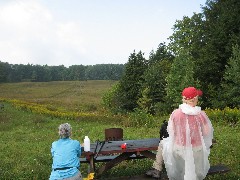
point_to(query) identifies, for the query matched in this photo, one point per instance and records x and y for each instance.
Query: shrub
(229, 115)
(139, 118)
(111, 99)
(162, 108)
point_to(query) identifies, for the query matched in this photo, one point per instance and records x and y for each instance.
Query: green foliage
(104, 72)
(155, 81)
(181, 75)
(162, 108)
(208, 37)
(230, 85)
(111, 98)
(4, 72)
(229, 115)
(153, 88)
(162, 53)
(38, 73)
(131, 82)
(144, 102)
(140, 118)
(221, 31)
(188, 34)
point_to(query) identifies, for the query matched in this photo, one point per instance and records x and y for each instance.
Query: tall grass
(68, 95)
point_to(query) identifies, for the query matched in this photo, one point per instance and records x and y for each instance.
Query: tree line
(203, 51)
(38, 73)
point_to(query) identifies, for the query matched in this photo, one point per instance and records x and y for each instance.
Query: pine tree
(230, 86)
(181, 75)
(131, 82)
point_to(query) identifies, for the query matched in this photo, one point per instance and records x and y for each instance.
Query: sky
(86, 32)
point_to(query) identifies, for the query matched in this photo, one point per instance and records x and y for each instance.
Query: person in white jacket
(185, 152)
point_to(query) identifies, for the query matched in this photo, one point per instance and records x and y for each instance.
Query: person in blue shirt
(65, 154)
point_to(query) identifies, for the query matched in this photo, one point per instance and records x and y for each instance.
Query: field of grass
(67, 95)
(26, 137)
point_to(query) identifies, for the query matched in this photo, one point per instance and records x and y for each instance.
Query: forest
(38, 73)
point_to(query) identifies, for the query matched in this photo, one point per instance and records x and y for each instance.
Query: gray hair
(65, 130)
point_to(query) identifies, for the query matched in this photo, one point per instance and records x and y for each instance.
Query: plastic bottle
(86, 144)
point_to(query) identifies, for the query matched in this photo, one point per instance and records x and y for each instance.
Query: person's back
(65, 154)
(198, 125)
(186, 150)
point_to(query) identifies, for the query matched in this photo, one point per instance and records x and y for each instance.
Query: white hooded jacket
(186, 150)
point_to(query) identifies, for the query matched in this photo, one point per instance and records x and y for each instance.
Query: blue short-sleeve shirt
(65, 153)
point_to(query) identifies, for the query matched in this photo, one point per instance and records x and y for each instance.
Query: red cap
(191, 92)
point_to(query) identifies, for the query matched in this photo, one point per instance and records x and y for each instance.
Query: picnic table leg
(92, 164)
(113, 162)
(149, 154)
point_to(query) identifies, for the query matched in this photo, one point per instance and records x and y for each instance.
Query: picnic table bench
(112, 154)
(110, 157)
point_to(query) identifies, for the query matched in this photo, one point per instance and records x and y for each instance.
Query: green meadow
(26, 136)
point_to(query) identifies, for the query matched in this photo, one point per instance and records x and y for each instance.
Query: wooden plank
(218, 169)
(111, 157)
(149, 154)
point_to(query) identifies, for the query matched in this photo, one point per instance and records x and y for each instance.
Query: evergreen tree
(162, 53)
(181, 75)
(230, 85)
(131, 82)
(154, 86)
(4, 71)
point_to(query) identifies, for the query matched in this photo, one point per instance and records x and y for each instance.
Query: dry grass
(68, 95)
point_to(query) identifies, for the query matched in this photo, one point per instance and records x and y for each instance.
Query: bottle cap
(124, 145)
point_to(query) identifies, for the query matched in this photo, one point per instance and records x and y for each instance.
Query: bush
(140, 118)
(111, 100)
(228, 115)
(162, 108)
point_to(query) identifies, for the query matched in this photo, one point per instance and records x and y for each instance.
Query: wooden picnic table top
(137, 145)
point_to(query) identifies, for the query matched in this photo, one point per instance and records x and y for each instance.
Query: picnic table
(112, 153)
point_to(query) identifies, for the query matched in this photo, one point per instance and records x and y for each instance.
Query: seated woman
(65, 154)
(185, 152)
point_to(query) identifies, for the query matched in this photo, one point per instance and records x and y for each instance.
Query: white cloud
(30, 34)
(69, 34)
(56, 32)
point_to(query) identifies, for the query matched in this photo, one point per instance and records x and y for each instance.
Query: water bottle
(86, 144)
